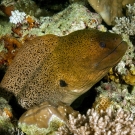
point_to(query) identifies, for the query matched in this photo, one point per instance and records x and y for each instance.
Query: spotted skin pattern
(60, 69)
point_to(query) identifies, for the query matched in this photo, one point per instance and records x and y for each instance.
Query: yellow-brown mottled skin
(61, 68)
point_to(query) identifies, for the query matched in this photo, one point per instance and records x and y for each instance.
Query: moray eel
(60, 69)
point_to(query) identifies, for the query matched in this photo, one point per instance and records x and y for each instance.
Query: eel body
(57, 69)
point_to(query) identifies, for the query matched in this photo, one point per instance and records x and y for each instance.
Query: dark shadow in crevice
(85, 101)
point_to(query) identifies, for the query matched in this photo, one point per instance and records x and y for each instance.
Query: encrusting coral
(109, 9)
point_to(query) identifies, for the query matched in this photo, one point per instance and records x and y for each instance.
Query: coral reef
(6, 6)
(17, 17)
(22, 22)
(24, 27)
(5, 26)
(114, 109)
(109, 9)
(82, 2)
(126, 24)
(102, 103)
(109, 122)
(45, 118)
(69, 20)
(8, 123)
(21, 29)
(63, 23)
(129, 78)
(65, 81)
(124, 70)
(119, 96)
(27, 6)
(6, 127)
(112, 120)
(9, 48)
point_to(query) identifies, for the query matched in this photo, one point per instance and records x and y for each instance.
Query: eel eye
(102, 44)
(63, 83)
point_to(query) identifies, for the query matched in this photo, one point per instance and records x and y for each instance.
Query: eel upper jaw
(110, 54)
